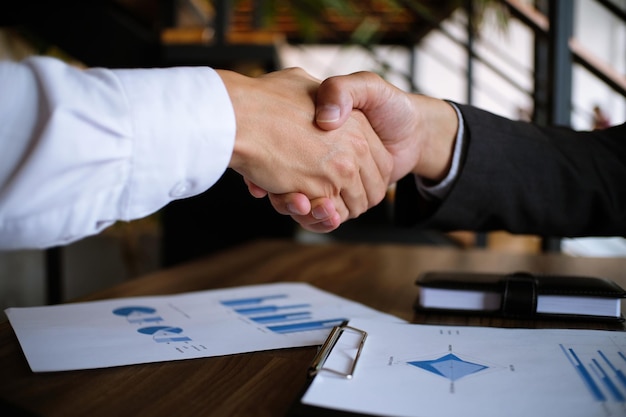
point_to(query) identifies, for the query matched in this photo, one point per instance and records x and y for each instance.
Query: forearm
(437, 126)
(525, 179)
(87, 148)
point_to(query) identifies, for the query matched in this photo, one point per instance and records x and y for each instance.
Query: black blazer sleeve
(526, 179)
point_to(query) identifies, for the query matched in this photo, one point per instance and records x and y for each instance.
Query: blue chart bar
(269, 309)
(282, 317)
(607, 381)
(604, 371)
(584, 374)
(165, 339)
(619, 374)
(307, 326)
(251, 300)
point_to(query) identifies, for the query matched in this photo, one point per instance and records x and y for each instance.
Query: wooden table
(261, 383)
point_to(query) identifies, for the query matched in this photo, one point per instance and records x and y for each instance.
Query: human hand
(278, 148)
(317, 215)
(417, 130)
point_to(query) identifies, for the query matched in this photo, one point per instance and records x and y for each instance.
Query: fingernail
(291, 208)
(327, 113)
(319, 212)
(328, 223)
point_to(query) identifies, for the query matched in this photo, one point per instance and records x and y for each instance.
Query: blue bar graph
(607, 381)
(584, 374)
(619, 374)
(307, 326)
(171, 339)
(600, 374)
(280, 314)
(269, 309)
(282, 317)
(251, 300)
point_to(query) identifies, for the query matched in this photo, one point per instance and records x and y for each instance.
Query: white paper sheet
(163, 328)
(413, 370)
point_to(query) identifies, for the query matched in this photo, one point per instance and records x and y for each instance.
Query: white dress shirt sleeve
(82, 149)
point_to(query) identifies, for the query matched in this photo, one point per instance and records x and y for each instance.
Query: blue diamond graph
(449, 366)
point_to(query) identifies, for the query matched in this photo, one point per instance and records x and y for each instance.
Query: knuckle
(345, 167)
(361, 147)
(294, 70)
(369, 77)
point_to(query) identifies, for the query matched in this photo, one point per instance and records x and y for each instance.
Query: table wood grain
(265, 383)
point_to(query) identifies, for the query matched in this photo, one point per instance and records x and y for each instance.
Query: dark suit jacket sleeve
(526, 179)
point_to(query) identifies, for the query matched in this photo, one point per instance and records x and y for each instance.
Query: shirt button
(182, 189)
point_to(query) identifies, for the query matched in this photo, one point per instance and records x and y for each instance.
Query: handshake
(327, 152)
(85, 148)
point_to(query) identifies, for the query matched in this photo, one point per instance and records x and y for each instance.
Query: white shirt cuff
(184, 134)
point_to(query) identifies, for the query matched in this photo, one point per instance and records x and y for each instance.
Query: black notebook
(521, 295)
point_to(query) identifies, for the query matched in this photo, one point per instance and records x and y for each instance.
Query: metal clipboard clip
(322, 355)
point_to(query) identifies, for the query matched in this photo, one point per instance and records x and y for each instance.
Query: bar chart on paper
(279, 313)
(208, 323)
(603, 371)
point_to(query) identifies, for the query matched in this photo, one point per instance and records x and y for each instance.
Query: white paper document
(414, 370)
(136, 330)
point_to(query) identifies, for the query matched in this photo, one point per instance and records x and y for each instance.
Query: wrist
(236, 84)
(438, 126)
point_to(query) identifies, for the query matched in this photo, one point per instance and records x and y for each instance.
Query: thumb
(334, 102)
(337, 96)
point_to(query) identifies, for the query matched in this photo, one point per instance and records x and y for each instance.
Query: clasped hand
(327, 152)
(279, 149)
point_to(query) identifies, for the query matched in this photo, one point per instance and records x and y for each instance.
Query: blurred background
(550, 61)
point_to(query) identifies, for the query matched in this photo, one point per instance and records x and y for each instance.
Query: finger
(321, 218)
(323, 227)
(254, 189)
(370, 184)
(323, 209)
(352, 200)
(307, 212)
(291, 204)
(337, 96)
(312, 225)
(377, 185)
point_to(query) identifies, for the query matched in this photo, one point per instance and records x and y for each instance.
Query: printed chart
(449, 366)
(419, 370)
(183, 326)
(278, 314)
(601, 370)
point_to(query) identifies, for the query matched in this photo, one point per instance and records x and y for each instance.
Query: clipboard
(319, 362)
(320, 365)
(425, 370)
